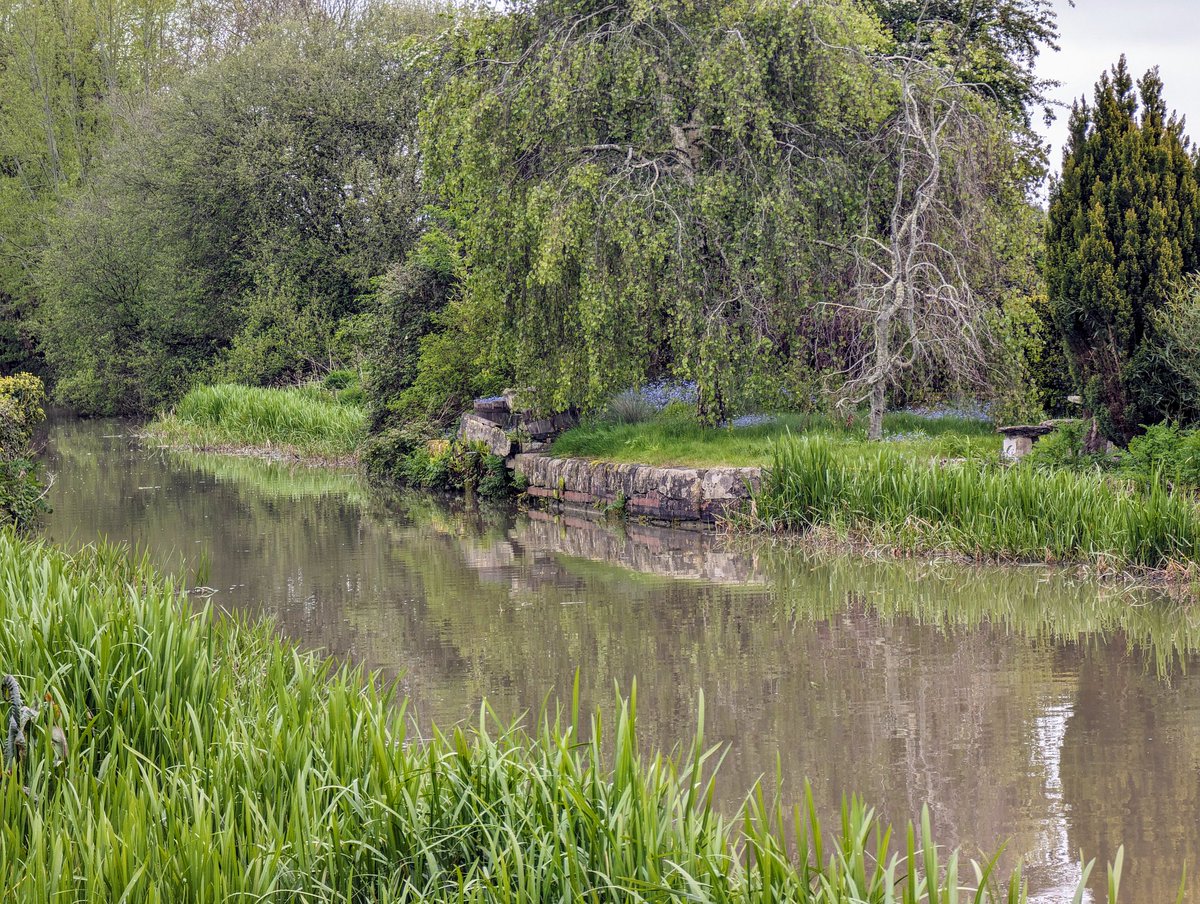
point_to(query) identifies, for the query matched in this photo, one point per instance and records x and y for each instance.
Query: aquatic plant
(309, 420)
(213, 761)
(975, 508)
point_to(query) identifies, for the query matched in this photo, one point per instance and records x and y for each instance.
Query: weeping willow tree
(637, 189)
(643, 189)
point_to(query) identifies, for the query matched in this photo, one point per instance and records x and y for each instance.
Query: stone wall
(642, 491)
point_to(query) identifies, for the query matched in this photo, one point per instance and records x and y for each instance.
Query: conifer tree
(1122, 233)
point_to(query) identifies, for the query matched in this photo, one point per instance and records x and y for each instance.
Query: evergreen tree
(1122, 233)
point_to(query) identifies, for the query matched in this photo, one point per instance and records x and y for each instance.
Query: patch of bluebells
(663, 393)
(752, 420)
(968, 411)
(909, 436)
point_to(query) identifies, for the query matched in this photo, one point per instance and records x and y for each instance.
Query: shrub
(1164, 453)
(22, 497)
(1065, 449)
(339, 379)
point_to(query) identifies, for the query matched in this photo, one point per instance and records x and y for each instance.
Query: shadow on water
(1020, 704)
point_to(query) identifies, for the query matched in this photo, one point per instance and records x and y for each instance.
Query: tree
(937, 164)
(236, 221)
(637, 188)
(1122, 232)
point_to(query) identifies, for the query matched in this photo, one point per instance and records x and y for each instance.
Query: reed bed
(977, 508)
(307, 420)
(211, 761)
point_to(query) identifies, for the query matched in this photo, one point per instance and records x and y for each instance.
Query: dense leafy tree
(1122, 232)
(239, 218)
(407, 304)
(637, 188)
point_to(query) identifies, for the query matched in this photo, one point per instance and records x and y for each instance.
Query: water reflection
(1019, 705)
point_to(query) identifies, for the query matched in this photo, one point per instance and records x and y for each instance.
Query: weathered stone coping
(642, 491)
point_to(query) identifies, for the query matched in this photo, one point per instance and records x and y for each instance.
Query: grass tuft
(309, 421)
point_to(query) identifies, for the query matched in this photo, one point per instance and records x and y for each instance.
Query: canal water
(1024, 707)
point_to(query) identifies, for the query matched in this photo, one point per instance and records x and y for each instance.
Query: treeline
(786, 204)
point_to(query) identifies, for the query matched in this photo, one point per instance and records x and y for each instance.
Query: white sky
(1094, 34)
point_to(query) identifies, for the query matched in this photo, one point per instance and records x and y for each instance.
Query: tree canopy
(1122, 233)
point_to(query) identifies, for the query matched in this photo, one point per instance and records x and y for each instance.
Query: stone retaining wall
(666, 494)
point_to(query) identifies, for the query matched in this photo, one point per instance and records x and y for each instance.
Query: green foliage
(212, 761)
(407, 304)
(22, 497)
(60, 64)
(439, 465)
(309, 420)
(1065, 448)
(623, 183)
(1164, 453)
(1021, 512)
(1005, 39)
(1176, 350)
(239, 218)
(22, 397)
(1122, 232)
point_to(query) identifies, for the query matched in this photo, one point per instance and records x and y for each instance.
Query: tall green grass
(309, 420)
(974, 508)
(211, 761)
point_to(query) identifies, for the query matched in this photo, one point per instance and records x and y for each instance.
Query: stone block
(474, 428)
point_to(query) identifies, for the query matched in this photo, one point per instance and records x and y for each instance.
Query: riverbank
(208, 759)
(935, 486)
(309, 424)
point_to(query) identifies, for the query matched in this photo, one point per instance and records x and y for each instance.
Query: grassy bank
(210, 761)
(974, 508)
(676, 438)
(307, 422)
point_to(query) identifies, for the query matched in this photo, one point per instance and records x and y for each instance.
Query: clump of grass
(629, 407)
(211, 761)
(310, 421)
(1019, 512)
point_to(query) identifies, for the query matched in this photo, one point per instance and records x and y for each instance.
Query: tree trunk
(882, 366)
(878, 406)
(1094, 442)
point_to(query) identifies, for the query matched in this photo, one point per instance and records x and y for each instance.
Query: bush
(1064, 449)
(22, 497)
(1164, 453)
(339, 379)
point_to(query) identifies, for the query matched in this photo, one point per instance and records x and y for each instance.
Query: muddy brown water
(1033, 708)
